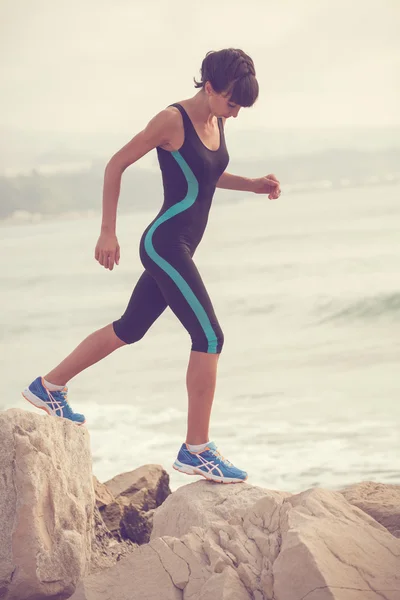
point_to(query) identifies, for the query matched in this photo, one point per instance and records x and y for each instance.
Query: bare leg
(95, 347)
(201, 381)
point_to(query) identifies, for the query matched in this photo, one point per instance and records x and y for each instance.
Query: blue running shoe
(54, 403)
(209, 463)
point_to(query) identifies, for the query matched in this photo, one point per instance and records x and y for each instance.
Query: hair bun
(230, 69)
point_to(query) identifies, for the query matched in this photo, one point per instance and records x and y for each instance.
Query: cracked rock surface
(241, 542)
(380, 501)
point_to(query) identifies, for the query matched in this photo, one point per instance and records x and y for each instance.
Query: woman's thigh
(146, 304)
(183, 289)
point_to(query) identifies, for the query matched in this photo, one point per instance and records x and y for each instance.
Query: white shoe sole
(178, 466)
(36, 401)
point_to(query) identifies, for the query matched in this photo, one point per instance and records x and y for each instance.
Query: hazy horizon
(82, 67)
(82, 79)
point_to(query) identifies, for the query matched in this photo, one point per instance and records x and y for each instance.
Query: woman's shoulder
(168, 119)
(169, 114)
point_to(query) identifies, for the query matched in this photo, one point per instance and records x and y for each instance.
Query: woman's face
(220, 103)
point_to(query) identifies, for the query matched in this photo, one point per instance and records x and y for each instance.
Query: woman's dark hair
(231, 71)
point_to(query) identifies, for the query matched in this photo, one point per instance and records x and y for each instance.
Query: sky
(110, 65)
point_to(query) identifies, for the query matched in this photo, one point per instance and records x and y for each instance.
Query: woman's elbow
(115, 165)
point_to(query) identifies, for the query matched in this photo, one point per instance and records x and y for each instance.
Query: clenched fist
(267, 185)
(107, 250)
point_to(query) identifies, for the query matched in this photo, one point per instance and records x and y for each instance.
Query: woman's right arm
(157, 133)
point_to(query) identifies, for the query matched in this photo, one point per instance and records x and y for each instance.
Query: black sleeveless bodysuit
(167, 246)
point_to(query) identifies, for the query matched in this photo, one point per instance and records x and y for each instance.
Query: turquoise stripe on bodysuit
(179, 207)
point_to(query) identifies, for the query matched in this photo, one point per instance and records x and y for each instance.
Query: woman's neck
(200, 109)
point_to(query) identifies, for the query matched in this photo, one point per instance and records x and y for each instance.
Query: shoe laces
(64, 394)
(218, 454)
(64, 397)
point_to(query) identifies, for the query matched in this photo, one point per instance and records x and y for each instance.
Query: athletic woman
(190, 142)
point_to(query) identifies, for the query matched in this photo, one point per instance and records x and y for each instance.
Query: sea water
(306, 289)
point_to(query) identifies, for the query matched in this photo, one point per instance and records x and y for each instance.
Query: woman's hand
(267, 185)
(107, 250)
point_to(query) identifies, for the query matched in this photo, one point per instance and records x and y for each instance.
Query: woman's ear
(208, 88)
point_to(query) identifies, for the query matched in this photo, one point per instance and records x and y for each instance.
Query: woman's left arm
(260, 185)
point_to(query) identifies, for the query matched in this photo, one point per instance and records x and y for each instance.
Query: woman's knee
(126, 333)
(211, 342)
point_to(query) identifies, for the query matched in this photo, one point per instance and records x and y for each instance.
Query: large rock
(202, 503)
(127, 502)
(102, 494)
(47, 503)
(127, 522)
(380, 501)
(333, 550)
(241, 542)
(146, 487)
(139, 576)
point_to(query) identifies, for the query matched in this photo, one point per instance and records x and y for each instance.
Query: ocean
(306, 289)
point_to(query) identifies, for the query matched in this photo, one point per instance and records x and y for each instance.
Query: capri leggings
(173, 280)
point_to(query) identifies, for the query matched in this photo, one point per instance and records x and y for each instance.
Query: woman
(190, 143)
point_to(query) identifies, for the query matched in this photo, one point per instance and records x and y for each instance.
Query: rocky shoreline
(63, 534)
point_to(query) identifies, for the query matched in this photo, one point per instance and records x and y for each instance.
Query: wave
(365, 309)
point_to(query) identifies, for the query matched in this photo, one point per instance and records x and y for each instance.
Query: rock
(139, 576)
(241, 542)
(127, 502)
(102, 494)
(127, 522)
(106, 549)
(147, 487)
(232, 542)
(199, 504)
(203, 562)
(136, 525)
(332, 550)
(47, 504)
(225, 585)
(380, 501)
(112, 516)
